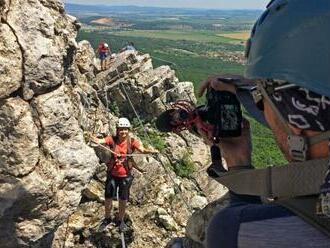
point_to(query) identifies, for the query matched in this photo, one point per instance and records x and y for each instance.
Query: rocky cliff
(51, 93)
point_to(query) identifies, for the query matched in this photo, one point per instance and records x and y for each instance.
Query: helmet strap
(298, 145)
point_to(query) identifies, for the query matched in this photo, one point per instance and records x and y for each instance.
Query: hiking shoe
(105, 222)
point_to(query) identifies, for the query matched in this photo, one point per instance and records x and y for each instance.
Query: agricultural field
(190, 35)
(195, 43)
(244, 35)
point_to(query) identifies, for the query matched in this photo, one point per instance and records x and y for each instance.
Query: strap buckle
(256, 94)
(297, 147)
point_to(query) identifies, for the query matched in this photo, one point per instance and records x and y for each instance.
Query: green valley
(195, 43)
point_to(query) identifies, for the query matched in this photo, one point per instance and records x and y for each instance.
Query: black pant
(122, 183)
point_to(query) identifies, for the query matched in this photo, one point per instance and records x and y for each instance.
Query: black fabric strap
(241, 167)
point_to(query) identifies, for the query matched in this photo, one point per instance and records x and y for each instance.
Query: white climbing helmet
(123, 122)
(106, 45)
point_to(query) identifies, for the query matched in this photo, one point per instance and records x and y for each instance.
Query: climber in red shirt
(103, 51)
(119, 169)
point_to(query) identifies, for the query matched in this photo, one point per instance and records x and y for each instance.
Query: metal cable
(105, 91)
(122, 237)
(157, 156)
(118, 154)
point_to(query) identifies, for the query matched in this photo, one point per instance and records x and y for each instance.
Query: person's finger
(209, 82)
(215, 83)
(245, 126)
(203, 86)
(219, 85)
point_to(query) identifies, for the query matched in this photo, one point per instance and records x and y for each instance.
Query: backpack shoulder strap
(113, 156)
(292, 180)
(128, 161)
(114, 143)
(130, 141)
(294, 186)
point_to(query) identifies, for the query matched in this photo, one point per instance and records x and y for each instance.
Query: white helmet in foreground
(123, 122)
(106, 45)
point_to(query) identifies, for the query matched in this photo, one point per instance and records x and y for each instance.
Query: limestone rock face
(45, 163)
(197, 224)
(61, 130)
(10, 61)
(166, 220)
(83, 230)
(19, 143)
(188, 143)
(84, 57)
(94, 191)
(132, 81)
(46, 37)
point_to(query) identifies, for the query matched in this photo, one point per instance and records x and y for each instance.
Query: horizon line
(161, 7)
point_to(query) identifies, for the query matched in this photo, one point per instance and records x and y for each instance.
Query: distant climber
(103, 50)
(129, 47)
(119, 176)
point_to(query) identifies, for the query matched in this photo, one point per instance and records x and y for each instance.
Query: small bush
(154, 138)
(185, 166)
(157, 141)
(113, 107)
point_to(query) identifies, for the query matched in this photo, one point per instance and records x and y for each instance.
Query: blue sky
(220, 4)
